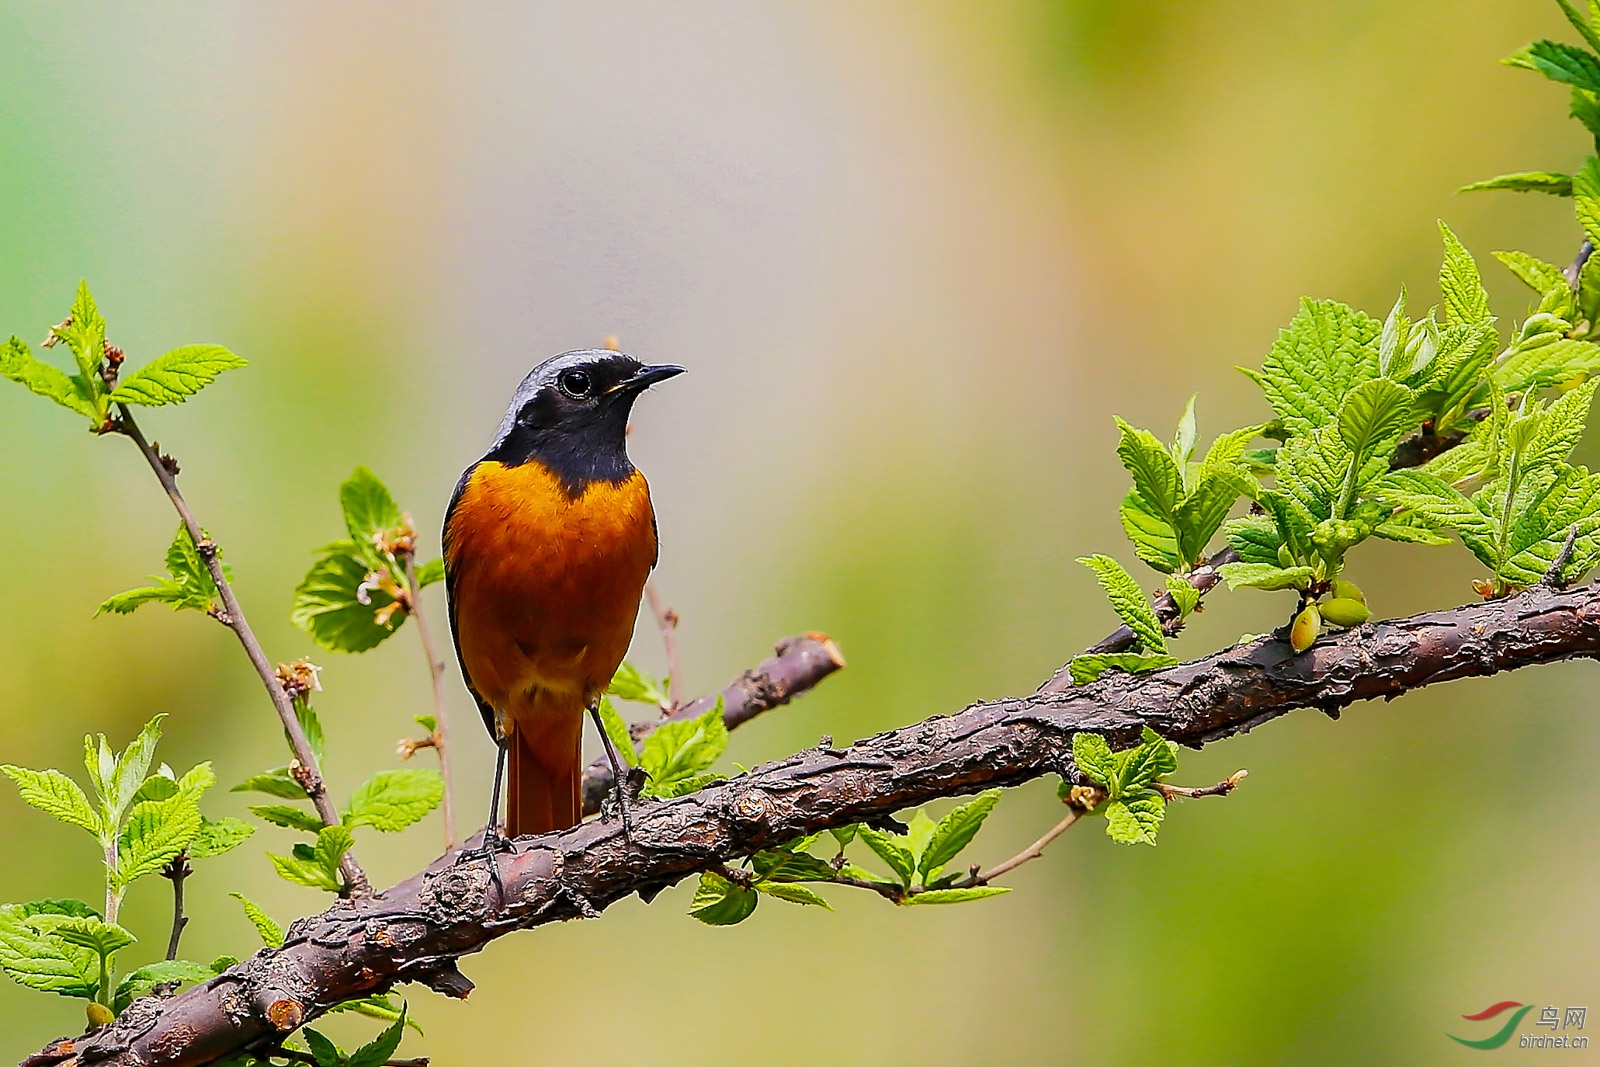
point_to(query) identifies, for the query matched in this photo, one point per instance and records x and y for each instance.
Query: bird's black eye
(578, 384)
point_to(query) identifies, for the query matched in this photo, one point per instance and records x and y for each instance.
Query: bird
(548, 540)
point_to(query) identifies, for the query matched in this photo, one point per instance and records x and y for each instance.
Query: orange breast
(546, 587)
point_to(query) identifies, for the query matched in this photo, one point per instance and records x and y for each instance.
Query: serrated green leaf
(176, 376)
(44, 379)
(1374, 415)
(919, 831)
(794, 894)
(35, 958)
(274, 783)
(955, 832)
(1327, 349)
(1546, 365)
(1410, 528)
(137, 983)
(1137, 767)
(955, 896)
(1532, 181)
(1561, 427)
(617, 733)
(133, 765)
(630, 683)
(1153, 539)
(1559, 62)
(1184, 595)
(288, 817)
(1156, 478)
(394, 799)
(328, 602)
(789, 865)
(1204, 510)
(189, 583)
(271, 933)
(380, 1048)
(310, 725)
(1255, 539)
(54, 794)
(1091, 665)
(1183, 440)
(1265, 576)
(718, 902)
(216, 838)
(84, 331)
(316, 867)
(157, 832)
(370, 512)
(1443, 505)
(1128, 600)
(1092, 756)
(375, 1007)
(90, 932)
(1572, 502)
(1586, 197)
(1465, 300)
(680, 750)
(1135, 821)
(1585, 107)
(844, 834)
(1534, 272)
(891, 849)
(323, 1051)
(1581, 24)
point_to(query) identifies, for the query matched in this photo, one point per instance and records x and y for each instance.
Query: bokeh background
(915, 256)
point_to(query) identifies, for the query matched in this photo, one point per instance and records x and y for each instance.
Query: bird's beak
(648, 376)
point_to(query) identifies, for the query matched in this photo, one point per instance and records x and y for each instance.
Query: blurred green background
(915, 256)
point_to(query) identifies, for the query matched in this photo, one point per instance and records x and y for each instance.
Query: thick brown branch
(795, 667)
(308, 774)
(416, 930)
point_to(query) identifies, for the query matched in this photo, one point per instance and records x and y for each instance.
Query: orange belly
(545, 589)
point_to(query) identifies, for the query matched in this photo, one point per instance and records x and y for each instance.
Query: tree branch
(416, 931)
(795, 668)
(667, 623)
(309, 775)
(440, 734)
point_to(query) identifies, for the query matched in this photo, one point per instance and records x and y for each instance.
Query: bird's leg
(492, 841)
(617, 778)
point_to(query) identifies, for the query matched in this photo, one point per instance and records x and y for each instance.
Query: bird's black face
(571, 413)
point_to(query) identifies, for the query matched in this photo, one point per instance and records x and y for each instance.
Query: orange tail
(544, 787)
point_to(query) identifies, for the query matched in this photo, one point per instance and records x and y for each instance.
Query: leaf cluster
(1133, 810)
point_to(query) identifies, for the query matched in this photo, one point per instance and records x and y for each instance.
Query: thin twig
(667, 623)
(310, 775)
(176, 872)
(1221, 789)
(1552, 578)
(1033, 851)
(441, 711)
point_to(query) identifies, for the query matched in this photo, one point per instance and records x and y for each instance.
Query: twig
(1033, 851)
(310, 775)
(1552, 578)
(305, 1057)
(441, 711)
(667, 623)
(1221, 789)
(175, 872)
(417, 929)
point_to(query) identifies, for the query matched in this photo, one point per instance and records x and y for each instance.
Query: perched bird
(548, 541)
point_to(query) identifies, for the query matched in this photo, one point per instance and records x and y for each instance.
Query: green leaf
(427, 722)
(630, 683)
(1545, 365)
(1465, 300)
(1535, 273)
(85, 334)
(196, 781)
(380, 1048)
(189, 583)
(790, 865)
(1183, 440)
(1135, 821)
(1091, 665)
(681, 749)
(429, 573)
(138, 983)
(891, 849)
(1153, 538)
(1375, 415)
(1327, 350)
(311, 726)
(156, 833)
(1150, 760)
(1092, 756)
(328, 602)
(1561, 427)
(719, 902)
(844, 834)
(54, 794)
(955, 896)
(271, 933)
(375, 1007)
(1264, 576)
(1537, 535)
(32, 956)
(1581, 24)
(1186, 596)
(955, 832)
(919, 831)
(1410, 528)
(274, 783)
(287, 817)
(215, 838)
(91, 932)
(323, 1051)
(1443, 505)
(794, 894)
(1202, 513)
(370, 512)
(1559, 62)
(133, 765)
(1533, 181)
(1156, 478)
(316, 867)
(1255, 539)
(617, 733)
(18, 364)
(1586, 196)
(1128, 600)
(1585, 107)
(176, 376)
(394, 799)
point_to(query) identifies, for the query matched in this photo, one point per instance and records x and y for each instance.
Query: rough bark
(416, 930)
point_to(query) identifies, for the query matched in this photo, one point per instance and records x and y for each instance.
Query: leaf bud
(1307, 625)
(99, 1014)
(1345, 611)
(1347, 590)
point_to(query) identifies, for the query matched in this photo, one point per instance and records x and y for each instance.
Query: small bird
(548, 541)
